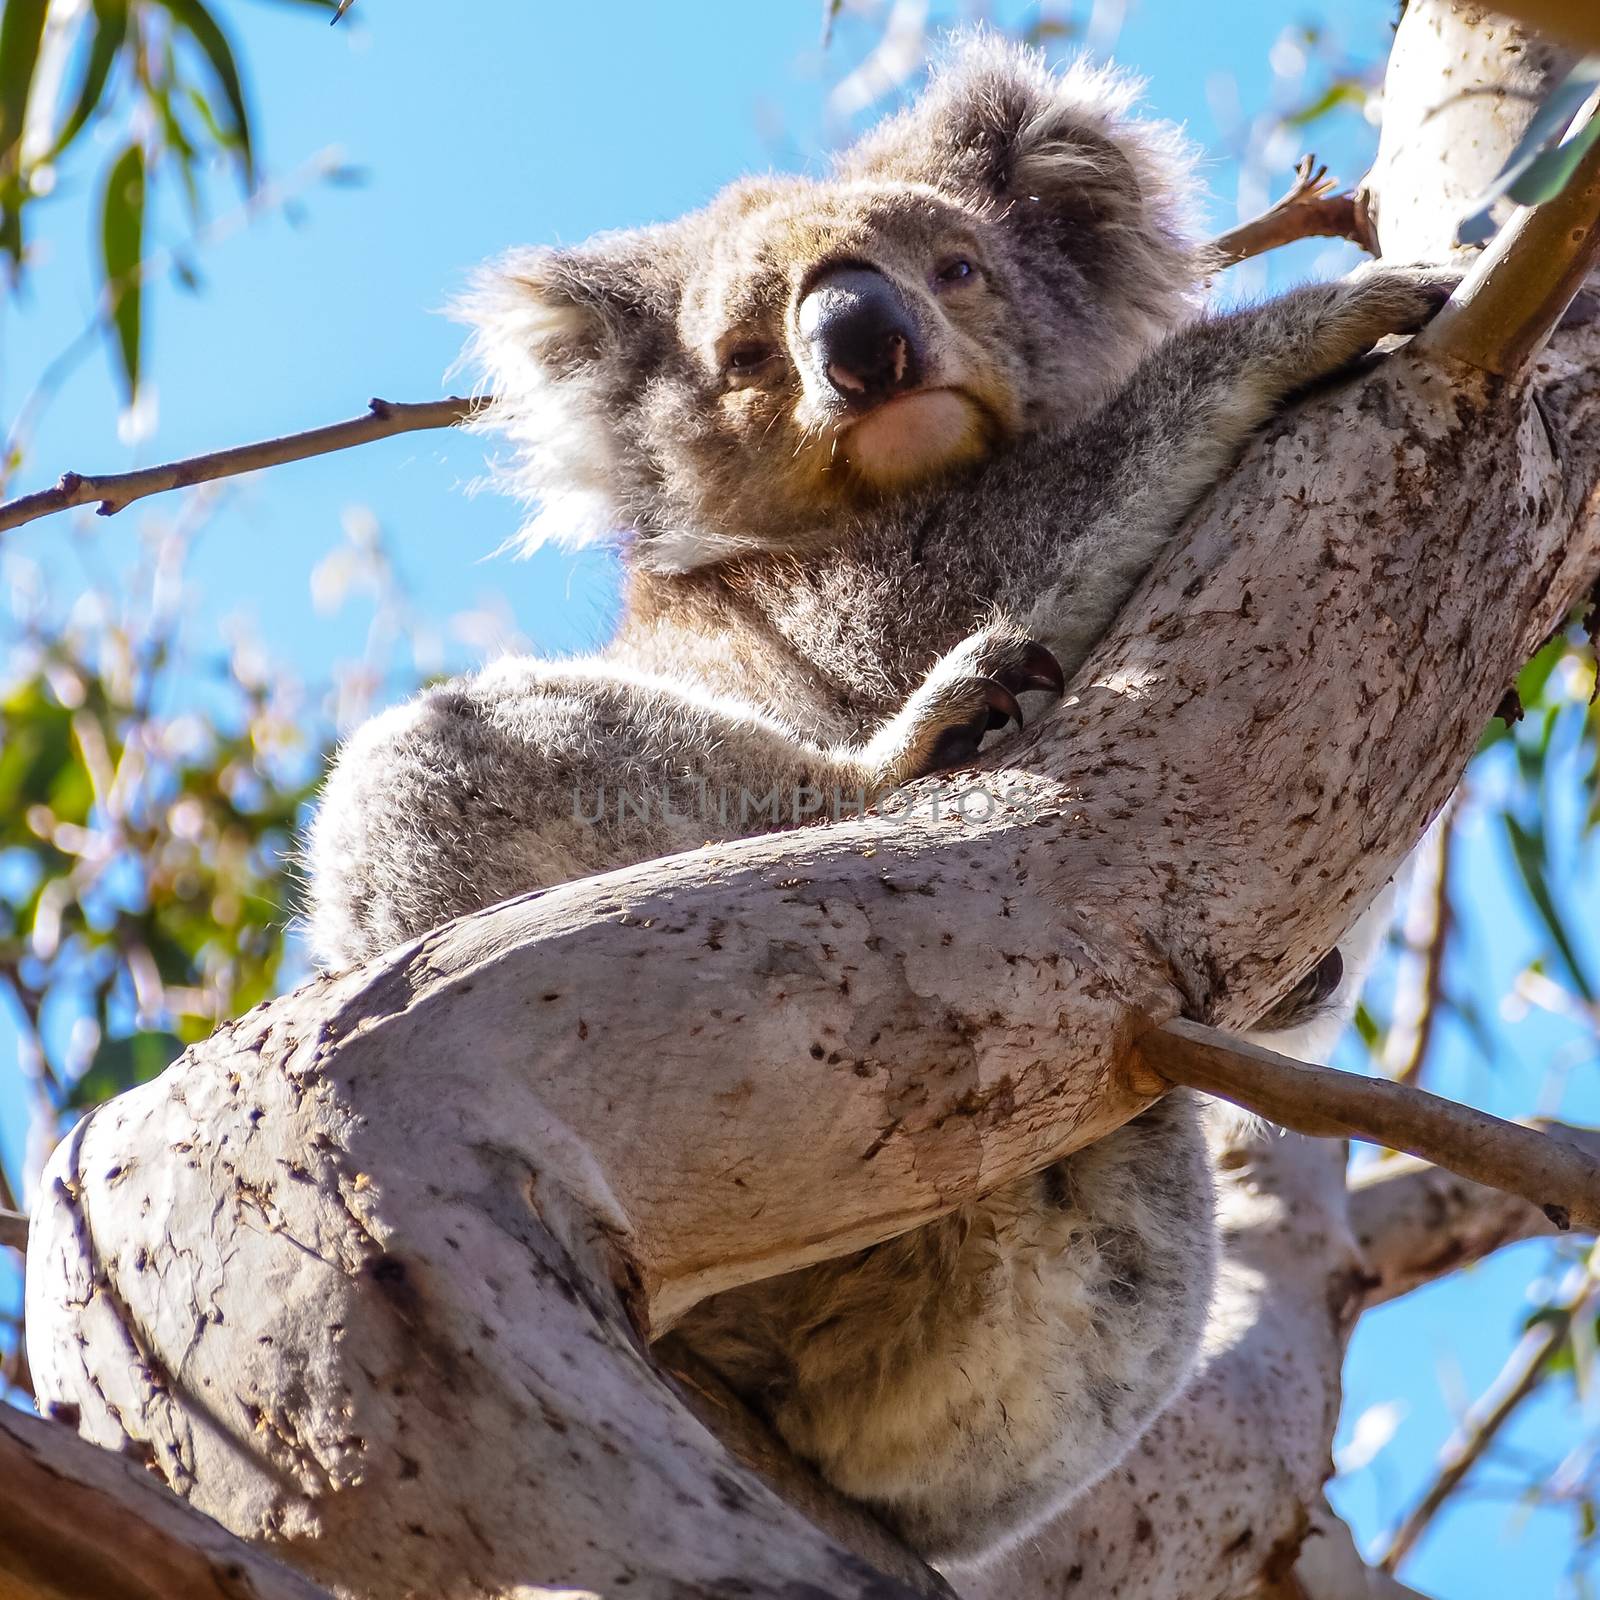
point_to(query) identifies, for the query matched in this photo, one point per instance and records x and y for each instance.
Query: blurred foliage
(144, 849)
(168, 73)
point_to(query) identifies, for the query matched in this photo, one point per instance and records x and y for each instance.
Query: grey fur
(793, 623)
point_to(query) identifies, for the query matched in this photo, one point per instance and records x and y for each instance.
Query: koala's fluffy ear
(561, 342)
(997, 125)
(563, 308)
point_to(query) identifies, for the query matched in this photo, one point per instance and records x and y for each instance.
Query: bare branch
(13, 1230)
(79, 1520)
(1419, 983)
(1558, 1177)
(1521, 286)
(1416, 1222)
(1308, 211)
(116, 490)
(1517, 1380)
(1572, 21)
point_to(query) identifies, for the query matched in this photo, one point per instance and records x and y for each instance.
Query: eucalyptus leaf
(109, 36)
(21, 29)
(1529, 853)
(121, 251)
(204, 29)
(1530, 169)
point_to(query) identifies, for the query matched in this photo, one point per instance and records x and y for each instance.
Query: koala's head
(986, 264)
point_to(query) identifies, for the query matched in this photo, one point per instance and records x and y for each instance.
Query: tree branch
(1517, 1380)
(76, 1520)
(1419, 980)
(1523, 283)
(1560, 1178)
(1416, 1222)
(1307, 211)
(115, 490)
(13, 1230)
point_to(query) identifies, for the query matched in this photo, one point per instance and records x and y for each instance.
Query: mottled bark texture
(369, 1275)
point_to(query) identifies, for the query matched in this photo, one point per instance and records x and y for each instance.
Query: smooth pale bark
(368, 1273)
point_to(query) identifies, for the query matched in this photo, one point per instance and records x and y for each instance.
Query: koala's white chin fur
(912, 437)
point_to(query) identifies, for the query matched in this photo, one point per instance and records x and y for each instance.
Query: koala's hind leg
(533, 773)
(970, 1377)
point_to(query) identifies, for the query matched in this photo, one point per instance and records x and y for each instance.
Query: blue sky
(486, 125)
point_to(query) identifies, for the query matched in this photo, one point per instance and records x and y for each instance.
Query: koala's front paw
(970, 692)
(1379, 301)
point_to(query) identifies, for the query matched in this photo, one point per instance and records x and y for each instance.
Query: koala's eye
(745, 360)
(957, 271)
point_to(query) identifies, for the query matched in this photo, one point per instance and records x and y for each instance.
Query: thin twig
(1520, 287)
(13, 1230)
(1308, 211)
(1419, 983)
(1561, 1179)
(1517, 1380)
(116, 490)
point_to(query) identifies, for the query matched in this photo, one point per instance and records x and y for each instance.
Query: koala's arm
(1138, 465)
(533, 773)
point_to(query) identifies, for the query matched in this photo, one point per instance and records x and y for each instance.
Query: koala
(884, 450)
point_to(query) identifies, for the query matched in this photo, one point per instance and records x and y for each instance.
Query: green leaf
(1547, 127)
(1528, 852)
(1549, 171)
(122, 1063)
(1533, 677)
(110, 33)
(1342, 92)
(122, 249)
(203, 28)
(21, 29)
(1368, 1027)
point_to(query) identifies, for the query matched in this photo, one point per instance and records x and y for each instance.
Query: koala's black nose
(862, 335)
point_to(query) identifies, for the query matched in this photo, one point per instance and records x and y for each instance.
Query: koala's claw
(1036, 668)
(1027, 666)
(971, 691)
(958, 745)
